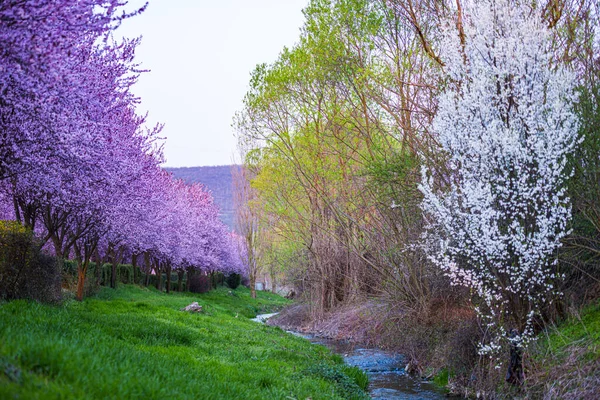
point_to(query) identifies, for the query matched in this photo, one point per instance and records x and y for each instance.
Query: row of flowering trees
(77, 164)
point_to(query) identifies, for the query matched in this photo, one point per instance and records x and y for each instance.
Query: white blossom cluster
(505, 121)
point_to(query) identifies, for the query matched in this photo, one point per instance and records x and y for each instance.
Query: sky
(200, 54)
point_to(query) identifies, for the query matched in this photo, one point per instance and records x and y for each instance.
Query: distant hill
(218, 180)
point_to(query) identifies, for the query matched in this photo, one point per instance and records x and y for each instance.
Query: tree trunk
(252, 285)
(168, 269)
(180, 273)
(190, 273)
(113, 270)
(515, 375)
(135, 269)
(147, 268)
(58, 252)
(273, 280)
(81, 271)
(158, 276)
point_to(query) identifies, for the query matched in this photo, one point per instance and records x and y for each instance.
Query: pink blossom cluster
(77, 163)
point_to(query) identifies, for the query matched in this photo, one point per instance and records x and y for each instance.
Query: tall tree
(247, 223)
(506, 124)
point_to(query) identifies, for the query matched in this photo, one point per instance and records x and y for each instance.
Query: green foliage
(153, 278)
(441, 378)
(565, 362)
(582, 328)
(584, 186)
(126, 274)
(25, 273)
(135, 343)
(394, 176)
(200, 283)
(350, 381)
(16, 256)
(233, 280)
(359, 376)
(217, 279)
(332, 148)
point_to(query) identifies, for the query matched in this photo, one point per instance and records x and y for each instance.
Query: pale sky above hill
(201, 53)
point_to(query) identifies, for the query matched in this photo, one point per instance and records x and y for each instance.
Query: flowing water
(387, 377)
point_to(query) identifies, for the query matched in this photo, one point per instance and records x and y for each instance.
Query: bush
(15, 256)
(25, 273)
(233, 280)
(99, 276)
(359, 376)
(153, 278)
(245, 281)
(350, 387)
(200, 284)
(43, 280)
(217, 279)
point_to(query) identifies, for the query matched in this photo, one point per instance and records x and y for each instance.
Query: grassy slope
(134, 343)
(566, 360)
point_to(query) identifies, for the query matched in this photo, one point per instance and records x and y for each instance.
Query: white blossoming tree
(506, 123)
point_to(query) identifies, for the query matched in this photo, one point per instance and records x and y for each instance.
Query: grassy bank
(135, 343)
(565, 362)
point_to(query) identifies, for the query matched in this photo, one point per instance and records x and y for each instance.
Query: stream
(387, 377)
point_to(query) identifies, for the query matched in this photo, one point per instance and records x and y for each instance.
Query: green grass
(135, 343)
(565, 361)
(442, 378)
(581, 330)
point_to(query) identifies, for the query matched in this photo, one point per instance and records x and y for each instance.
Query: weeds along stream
(386, 370)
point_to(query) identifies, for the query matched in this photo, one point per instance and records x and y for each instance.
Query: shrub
(25, 273)
(15, 256)
(350, 387)
(42, 280)
(125, 273)
(217, 279)
(100, 275)
(200, 284)
(153, 278)
(359, 376)
(233, 280)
